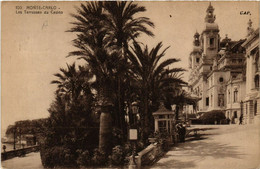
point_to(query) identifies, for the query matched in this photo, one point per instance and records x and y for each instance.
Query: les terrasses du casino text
(36, 9)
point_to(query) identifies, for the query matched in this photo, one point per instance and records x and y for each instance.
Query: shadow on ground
(197, 148)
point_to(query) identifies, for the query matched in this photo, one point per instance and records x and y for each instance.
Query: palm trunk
(105, 130)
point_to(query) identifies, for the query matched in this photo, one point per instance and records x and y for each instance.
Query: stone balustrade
(19, 152)
(149, 155)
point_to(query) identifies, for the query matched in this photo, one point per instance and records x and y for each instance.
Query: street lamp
(241, 113)
(133, 135)
(135, 109)
(14, 137)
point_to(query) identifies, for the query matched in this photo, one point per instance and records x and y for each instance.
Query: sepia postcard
(130, 84)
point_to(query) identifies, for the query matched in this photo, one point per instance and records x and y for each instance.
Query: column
(156, 128)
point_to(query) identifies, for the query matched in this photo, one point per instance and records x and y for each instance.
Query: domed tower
(196, 41)
(210, 36)
(210, 17)
(195, 55)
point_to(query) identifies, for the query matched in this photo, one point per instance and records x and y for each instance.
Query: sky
(35, 46)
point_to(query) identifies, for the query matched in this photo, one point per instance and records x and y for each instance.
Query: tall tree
(103, 31)
(92, 43)
(152, 77)
(124, 26)
(72, 82)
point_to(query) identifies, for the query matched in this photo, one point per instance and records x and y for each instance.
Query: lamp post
(14, 137)
(135, 109)
(241, 113)
(133, 135)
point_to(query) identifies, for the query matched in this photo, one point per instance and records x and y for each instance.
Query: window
(220, 100)
(235, 95)
(211, 42)
(221, 79)
(207, 101)
(197, 60)
(235, 114)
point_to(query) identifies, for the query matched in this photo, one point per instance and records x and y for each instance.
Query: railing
(19, 152)
(149, 154)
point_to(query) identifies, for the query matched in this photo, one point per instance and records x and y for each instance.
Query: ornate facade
(220, 71)
(251, 105)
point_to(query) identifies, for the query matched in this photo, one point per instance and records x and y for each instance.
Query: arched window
(235, 95)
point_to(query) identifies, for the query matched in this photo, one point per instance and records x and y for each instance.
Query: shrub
(83, 157)
(117, 157)
(99, 157)
(57, 156)
(211, 117)
(162, 138)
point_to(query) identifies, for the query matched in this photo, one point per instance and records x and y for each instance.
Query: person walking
(241, 119)
(183, 133)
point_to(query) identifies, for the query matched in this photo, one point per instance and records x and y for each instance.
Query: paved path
(221, 147)
(30, 161)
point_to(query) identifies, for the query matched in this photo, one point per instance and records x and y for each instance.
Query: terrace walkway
(219, 146)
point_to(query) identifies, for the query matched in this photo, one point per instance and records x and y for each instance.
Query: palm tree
(123, 24)
(103, 30)
(123, 27)
(152, 77)
(93, 47)
(72, 82)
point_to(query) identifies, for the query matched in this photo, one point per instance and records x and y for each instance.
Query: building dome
(211, 26)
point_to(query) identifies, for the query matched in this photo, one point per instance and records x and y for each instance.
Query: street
(220, 147)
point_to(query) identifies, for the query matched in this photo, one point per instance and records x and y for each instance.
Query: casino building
(224, 74)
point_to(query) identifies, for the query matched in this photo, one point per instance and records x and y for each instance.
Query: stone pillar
(156, 128)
